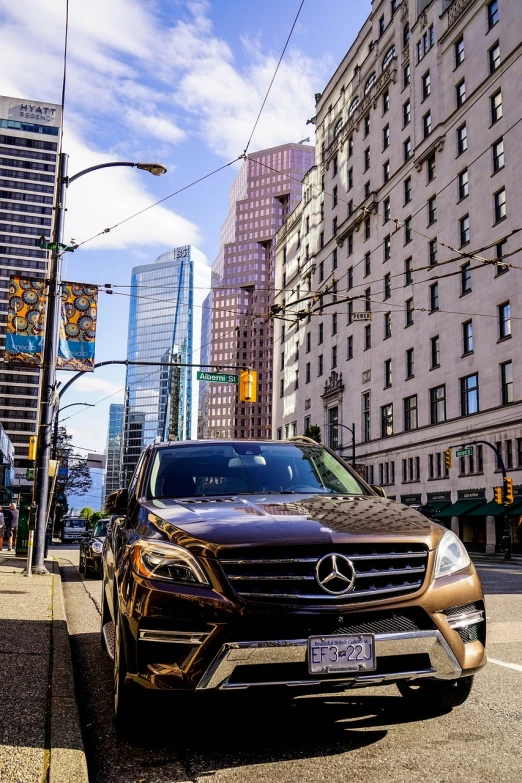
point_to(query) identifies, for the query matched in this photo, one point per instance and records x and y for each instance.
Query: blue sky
(169, 81)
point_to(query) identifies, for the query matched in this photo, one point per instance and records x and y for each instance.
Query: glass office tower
(114, 438)
(164, 326)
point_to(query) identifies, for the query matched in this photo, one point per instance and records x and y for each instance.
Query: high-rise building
(412, 338)
(94, 497)
(29, 146)
(165, 315)
(114, 444)
(266, 189)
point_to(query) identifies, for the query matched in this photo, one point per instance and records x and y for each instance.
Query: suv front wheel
(439, 695)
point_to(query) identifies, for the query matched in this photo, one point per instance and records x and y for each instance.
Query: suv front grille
(288, 573)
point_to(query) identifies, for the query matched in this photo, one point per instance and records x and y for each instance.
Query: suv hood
(277, 519)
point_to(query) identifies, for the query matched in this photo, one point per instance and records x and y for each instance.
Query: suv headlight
(167, 561)
(97, 547)
(451, 555)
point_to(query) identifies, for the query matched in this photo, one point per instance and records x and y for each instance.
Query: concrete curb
(67, 755)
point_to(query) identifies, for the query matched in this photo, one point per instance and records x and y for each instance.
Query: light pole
(350, 429)
(48, 379)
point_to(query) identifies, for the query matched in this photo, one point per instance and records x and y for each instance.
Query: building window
(385, 101)
(463, 184)
(308, 342)
(350, 207)
(388, 57)
(500, 252)
(493, 15)
(465, 278)
(387, 373)
(407, 231)
(387, 326)
(467, 337)
(460, 91)
(432, 210)
(367, 125)
(504, 321)
(410, 363)
(321, 240)
(366, 417)
(350, 146)
(393, 6)
(387, 247)
(335, 166)
(407, 190)
(334, 198)
(409, 312)
(426, 85)
(296, 379)
(406, 113)
(334, 357)
(496, 106)
(367, 228)
(408, 274)
(367, 337)
(350, 178)
(279, 433)
(500, 205)
(498, 155)
(386, 420)
(410, 413)
(382, 26)
(281, 388)
(387, 286)
(438, 404)
(386, 209)
(386, 137)
(426, 124)
(434, 297)
(334, 226)
(459, 51)
(464, 230)
(406, 75)
(405, 36)
(282, 361)
(350, 277)
(321, 271)
(469, 395)
(506, 379)
(367, 189)
(432, 252)
(334, 323)
(367, 300)
(386, 171)
(406, 145)
(494, 57)
(431, 167)
(462, 139)
(435, 352)
(367, 264)
(320, 365)
(349, 347)
(367, 159)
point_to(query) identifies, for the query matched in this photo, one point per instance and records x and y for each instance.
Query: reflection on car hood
(277, 519)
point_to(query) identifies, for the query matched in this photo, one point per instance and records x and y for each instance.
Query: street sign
(467, 452)
(361, 316)
(215, 377)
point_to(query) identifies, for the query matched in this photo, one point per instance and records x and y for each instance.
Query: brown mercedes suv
(240, 564)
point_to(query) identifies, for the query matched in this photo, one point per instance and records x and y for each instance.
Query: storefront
(467, 519)
(412, 500)
(438, 501)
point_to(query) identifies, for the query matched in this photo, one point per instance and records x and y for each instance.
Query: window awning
(491, 509)
(438, 505)
(461, 508)
(516, 508)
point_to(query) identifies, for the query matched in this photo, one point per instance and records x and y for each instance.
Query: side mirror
(378, 490)
(117, 502)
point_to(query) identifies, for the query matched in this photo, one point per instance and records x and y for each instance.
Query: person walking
(11, 526)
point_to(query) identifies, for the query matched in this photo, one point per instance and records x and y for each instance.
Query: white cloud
(90, 383)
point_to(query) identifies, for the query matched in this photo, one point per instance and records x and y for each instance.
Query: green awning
(438, 505)
(516, 508)
(461, 508)
(491, 509)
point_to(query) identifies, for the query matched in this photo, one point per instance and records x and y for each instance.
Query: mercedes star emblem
(335, 574)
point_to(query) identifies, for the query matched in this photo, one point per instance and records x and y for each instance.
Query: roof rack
(302, 437)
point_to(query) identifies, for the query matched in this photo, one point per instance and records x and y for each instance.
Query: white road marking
(514, 666)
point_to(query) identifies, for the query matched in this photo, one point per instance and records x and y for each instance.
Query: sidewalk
(40, 738)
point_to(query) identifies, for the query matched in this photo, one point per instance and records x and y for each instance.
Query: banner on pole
(77, 327)
(25, 322)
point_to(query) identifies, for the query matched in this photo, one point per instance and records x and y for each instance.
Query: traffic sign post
(214, 377)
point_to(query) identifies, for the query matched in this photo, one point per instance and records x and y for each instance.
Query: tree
(314, 432)
(73, 477)
(86, 513)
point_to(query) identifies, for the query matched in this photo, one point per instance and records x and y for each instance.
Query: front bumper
(398, 658)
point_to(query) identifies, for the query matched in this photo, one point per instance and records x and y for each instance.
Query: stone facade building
(413, 209)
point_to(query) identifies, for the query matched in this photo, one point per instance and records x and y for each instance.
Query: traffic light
(508, 490)
(248, 386)
(498, 495)
(32, 447)
(447, 459)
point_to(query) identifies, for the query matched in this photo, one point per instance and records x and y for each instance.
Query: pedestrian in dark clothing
(11, 526)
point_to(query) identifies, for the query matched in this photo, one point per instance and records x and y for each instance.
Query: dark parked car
(233, 565)
(91, 545)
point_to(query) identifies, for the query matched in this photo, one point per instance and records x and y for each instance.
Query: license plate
(343, 653)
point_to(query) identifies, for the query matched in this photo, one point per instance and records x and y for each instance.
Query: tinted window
(249, 468)
(74, 523)
(100, 531)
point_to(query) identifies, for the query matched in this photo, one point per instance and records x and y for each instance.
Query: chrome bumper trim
(173, 637)
(467, 618)
(232, 655)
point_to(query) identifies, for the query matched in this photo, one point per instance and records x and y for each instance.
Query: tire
(439, 696)
(128, 698)
(105, 618)
(81, 567)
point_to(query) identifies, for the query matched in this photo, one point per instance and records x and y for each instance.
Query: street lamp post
(48, 379)
(352, 430)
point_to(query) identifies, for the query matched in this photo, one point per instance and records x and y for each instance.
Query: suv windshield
(249, 468)
(74, 523)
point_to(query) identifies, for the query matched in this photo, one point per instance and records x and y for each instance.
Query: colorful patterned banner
(25, 322)
(78, 327)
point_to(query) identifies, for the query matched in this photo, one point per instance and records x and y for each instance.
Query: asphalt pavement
(363, 735)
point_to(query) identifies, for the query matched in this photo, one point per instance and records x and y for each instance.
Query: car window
(74, 523)
(100, 530)
(249, 468)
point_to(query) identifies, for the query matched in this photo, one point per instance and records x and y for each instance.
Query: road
(359, 736)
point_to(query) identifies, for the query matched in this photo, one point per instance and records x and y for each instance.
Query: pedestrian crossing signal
(498, 495)
(508, 489)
